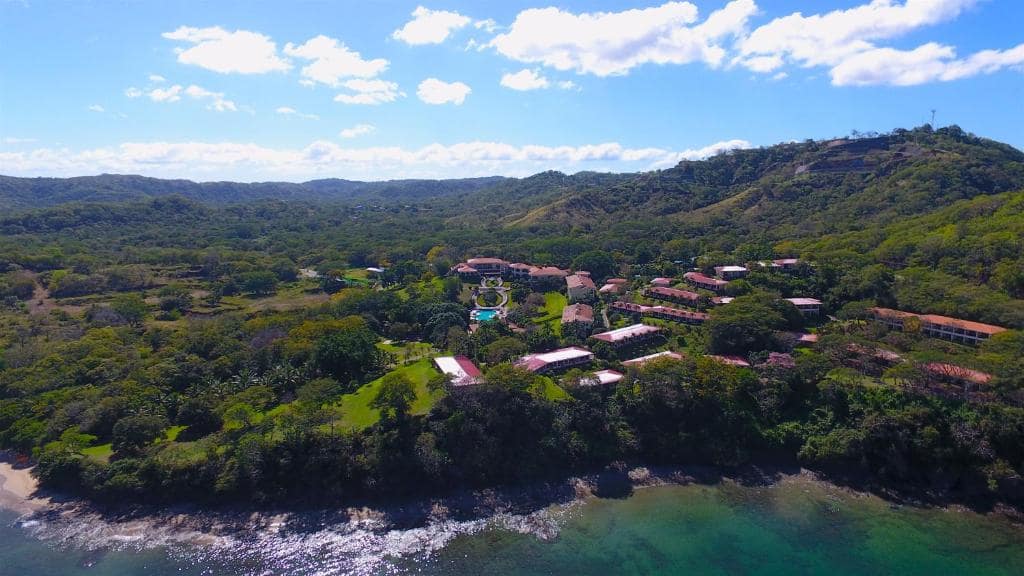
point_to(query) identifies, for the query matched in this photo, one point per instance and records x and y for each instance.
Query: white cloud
(289, 111)
(96, 108)
(567, 85)
(828, 39)
(369, 92)
(16, 140)
(332, 61)
(357, 130)
(613, 43)
(217, 100)
(217, 49)
(229, 160)
(132, 92)
(157, 79)
(525, 79)
(434, 91)
(930, 62)
(487, 25)
(430, 26)
(172, 94)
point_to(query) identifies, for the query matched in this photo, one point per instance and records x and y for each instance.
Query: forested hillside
(28, 193)
(181, 342)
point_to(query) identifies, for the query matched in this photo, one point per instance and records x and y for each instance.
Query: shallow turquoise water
(796, 527)
(485, 315)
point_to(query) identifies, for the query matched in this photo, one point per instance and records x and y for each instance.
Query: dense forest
(171, 341)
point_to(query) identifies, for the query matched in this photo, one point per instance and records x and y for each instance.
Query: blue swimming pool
(483, 315)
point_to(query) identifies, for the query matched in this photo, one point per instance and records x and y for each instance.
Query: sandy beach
(17, 487)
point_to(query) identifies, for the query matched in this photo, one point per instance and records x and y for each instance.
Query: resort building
(785, 264)
(629, 335)
(730, 272)
(582, 315)
(520, 271)
(636, 362)
(663, 282)
(604, 377)
(706, 282)
(936, 326)
(556, 360)
(673, 295)
(488, 266)
(579, 287)
(610, 289)
(467, 273)
(806, 306)
(460, 369)
(661, 312)
(622, 281)
(548, 276)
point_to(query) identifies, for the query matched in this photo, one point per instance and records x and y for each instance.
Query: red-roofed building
(628, 335)
(604, 377)
(673, 295)
(489, 266)
(548, 276)
(936, 326)
(786, 264)
(706, 282)
(581, 314)
(612, 289)
(556, 360)
(520, 271)
(617, 281)
(460, 369)
(579, 287)
(661, 312)
(731, 272)
(807, 306)
(662, 282)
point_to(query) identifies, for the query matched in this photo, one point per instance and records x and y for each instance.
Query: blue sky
(298, 90)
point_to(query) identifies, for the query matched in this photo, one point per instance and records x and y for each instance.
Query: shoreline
(19, 490)
(196, 524)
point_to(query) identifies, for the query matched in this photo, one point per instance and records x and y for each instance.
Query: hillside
(801, 189)
(28, 193)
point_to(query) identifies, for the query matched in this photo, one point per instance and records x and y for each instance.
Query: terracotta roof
(549, 271)
(686, 314)
(473, 261)
(938, 320)
(535, 362)
(617, 281)
(662, 282)
(804, 301)
(579, 281)
(702, 279)
(608, 376)
(577, 313)
(520, 265)
(657, 355)
(461, 369)
(673, 293)
(465, 269)
(611, 289)
(958, 372)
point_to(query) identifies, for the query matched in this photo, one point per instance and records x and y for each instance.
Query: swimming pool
(483, 315)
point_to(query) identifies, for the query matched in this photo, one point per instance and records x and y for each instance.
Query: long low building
(706, 282)
(661, 312)
(936, 326)
(628, 335)
(807, 306)
(556, 360)
(673, 295)
(461, 369)
(606, 377)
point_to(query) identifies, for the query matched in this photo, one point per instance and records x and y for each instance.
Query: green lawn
(355, 408)
(550, 390)
(554, 302)
(407, 350)
(99, 453)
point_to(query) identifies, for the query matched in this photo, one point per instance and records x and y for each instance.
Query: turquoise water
(484, 315)
(795, 527)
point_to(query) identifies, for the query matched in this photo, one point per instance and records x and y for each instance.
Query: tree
(395, 396)
(599, 263)
(348, 355)
(131, 307)
(259, 283)
(747, 324)
(504, 349)
(133, 433)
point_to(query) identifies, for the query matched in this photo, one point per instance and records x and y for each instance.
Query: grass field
(554, 302)
(355, 408)
(404, 351)
(99, 453)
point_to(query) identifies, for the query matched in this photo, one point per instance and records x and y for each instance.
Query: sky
(259, 90)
